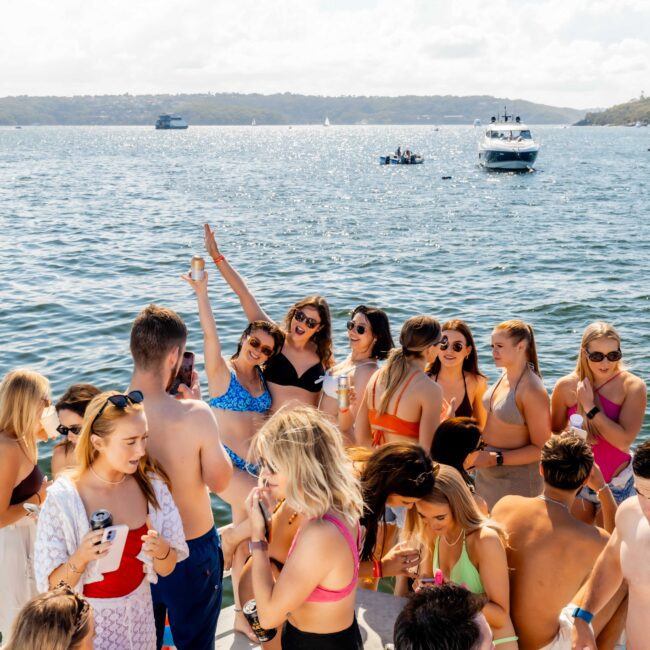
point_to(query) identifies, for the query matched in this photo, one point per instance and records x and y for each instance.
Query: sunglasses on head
(120, 402)
(456, 346)
(614, 355)
(360, 329)
(75, 429)
(301, 317)
(256, 344)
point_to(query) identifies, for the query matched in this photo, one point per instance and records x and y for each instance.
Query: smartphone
(117, 536)
(184, 375)
(267, 521)
(32, 508)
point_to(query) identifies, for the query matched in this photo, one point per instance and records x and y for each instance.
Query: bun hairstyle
(380, 326)
(470, 362)
(322, 337)
(418, 333)
(519, 331)
(265, 326)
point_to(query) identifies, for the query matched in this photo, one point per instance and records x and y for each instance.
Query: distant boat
(166, 121)
(326, 122)
(477, 122)
(406, 158)
(253, 123)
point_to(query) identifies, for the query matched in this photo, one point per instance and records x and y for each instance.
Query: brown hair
(566, 461)
(76, 399)
(103, 426)
(265, 326)
(155, 333)
(470, 362)
(322, 337)
(59, 619)
(520, 331)
(418, 333)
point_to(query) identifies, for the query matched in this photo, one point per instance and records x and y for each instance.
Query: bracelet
(586, 616)
(219, 258)
(73, 568)
(600, 489)
(376, 569)
(160, 559)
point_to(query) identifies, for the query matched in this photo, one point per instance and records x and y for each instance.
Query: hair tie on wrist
(219, 258)
(376, 569)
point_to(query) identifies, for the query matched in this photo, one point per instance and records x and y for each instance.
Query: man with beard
(184, 440)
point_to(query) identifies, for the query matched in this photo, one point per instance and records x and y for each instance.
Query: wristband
(592, 414)
(160, 559)
(583, 614)
(376, 569)
(219, 258)
(73, 568)
(257, 546)
(499, 458)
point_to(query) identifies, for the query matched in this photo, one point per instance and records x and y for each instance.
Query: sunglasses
(75, 429)
(120, 402)
(456, 346)
(256, 344)
(361, 329)
(614, 355)
(301, 317)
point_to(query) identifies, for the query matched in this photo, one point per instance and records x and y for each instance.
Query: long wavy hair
(519, 331)
(103, 426)
(380, 326)
(418, 333)
(394, 468)
(265, 326)
(76, 399)
(322, 338)
(307, 448)
(23, 395)
(470, 362)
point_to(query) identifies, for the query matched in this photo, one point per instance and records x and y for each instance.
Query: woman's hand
(154, 545)
(210, 242)
(596, 480)
(199, 286)
(42, 493)
(448, 409)
(190, 392)
(585, 393)
(480, 460)
(90, 549)
(400, 560)
(258, 525)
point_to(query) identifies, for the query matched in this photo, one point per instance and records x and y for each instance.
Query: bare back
(550, 555)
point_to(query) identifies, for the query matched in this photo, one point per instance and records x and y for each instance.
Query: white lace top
(63, 522)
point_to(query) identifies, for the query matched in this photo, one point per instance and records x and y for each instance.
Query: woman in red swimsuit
(612, 402)
(401, 403)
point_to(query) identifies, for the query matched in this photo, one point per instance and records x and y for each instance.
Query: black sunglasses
(301, 317)
(75, 429)
(361, 329)
(614, 355)
(256, 344)
(120, 402)
(456, 346)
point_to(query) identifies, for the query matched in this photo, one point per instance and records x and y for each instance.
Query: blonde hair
(103, 426)
(520, 331)
(308, 449)
(451, 490)
(22, 393)
(417, 334)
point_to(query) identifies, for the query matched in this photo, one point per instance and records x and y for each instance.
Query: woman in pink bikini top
(612, 402)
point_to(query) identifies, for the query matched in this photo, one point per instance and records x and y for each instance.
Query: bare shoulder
(428, 387)
(197, 418)
(9, 450)
(566, 383)
(363, 374)
(319, 533)
(634, 384)
(507, 505)
(477, 381)
(627, 515)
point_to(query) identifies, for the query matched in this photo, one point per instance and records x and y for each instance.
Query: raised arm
(215, 365)
(250, 306)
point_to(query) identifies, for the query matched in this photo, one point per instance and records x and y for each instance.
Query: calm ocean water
(97, 222)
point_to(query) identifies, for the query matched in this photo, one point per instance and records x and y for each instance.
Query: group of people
(504, 517)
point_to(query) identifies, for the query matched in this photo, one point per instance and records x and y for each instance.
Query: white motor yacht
(508, 144)
(171, 122)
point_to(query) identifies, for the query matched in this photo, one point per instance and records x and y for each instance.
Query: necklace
(455, 541)
(543, 497)
(90, 467)
(293, 516)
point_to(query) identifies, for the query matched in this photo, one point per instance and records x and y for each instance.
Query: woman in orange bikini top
(401, 401)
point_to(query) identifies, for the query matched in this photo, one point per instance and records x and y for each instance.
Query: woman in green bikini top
(467, 547)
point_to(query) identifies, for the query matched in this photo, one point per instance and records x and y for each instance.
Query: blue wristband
(583, 614)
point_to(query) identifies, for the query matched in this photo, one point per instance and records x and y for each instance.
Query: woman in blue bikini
(240, 400)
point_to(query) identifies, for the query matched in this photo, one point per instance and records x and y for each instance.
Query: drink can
(344, 392)
(198, 266)
(250, 612)
(100, 519)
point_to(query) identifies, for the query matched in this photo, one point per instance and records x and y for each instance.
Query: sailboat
(326, 122)
(253, 123)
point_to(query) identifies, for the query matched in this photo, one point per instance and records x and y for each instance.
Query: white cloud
(575, 53)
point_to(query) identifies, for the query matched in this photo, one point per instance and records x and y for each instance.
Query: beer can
(198, 266)
(100, 519)
(250, 612)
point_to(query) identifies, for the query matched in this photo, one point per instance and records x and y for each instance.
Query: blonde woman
(303, 461)
(402, 404)
(518, 418)
(56, 620)
(24, 397)
(467, 547)
(113, 473)
(612, 402)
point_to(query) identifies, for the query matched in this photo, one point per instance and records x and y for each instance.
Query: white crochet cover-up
(125, 623)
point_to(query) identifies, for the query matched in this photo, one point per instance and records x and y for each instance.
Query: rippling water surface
(97, 222)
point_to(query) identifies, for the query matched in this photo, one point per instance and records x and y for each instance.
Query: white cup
(50, 421)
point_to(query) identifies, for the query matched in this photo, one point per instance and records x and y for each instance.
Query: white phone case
(117, 535)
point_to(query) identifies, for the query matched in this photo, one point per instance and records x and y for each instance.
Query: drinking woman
(113, 473)
(612, 402)
(294, 374)
(518, 418)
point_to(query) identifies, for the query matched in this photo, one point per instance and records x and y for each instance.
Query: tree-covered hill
(636, 110)
(285, 108)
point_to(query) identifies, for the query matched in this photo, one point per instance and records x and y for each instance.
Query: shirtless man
(184, 439)
(550, 552)
(624, 558)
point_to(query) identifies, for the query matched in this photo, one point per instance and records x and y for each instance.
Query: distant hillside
(636, 110)
(283, 108)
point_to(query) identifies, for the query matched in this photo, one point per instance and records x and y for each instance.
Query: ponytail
(520, 331)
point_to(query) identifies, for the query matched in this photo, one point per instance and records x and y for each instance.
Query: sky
(577, 53)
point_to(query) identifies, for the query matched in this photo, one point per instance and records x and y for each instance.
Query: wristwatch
(592, 414)
(583, 614)
(257, 546)
(499, 458)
